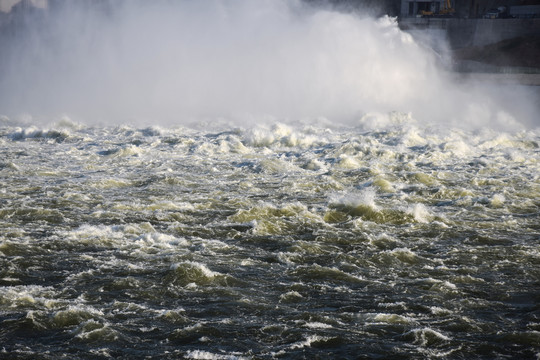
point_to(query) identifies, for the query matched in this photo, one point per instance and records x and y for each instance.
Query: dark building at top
(472, 9)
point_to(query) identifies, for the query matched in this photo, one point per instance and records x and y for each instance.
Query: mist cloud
(174, 62)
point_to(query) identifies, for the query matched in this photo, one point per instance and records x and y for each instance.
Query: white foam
(420, 213)
(365, 197)
(161, 240)
(33, 132)
(207, 355)
(23, 296)
(308, 341)
(203, 269)
(392, 318)
(427, 336)
(291, 296)
(497, 200)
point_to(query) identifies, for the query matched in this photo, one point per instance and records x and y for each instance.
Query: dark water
(268, 242)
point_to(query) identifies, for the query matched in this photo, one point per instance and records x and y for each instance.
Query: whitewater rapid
(238, 179)
(271, 241)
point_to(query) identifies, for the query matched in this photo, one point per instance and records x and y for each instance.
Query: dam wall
(462, 33)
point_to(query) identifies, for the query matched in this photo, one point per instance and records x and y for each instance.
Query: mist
(178, 62)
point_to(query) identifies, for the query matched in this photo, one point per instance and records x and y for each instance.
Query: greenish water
(268, 242)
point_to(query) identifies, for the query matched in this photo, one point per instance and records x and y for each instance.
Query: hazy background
(175, 62)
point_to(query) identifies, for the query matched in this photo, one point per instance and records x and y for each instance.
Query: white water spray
(178, 62)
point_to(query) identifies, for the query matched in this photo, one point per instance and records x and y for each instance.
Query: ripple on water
(268, 242)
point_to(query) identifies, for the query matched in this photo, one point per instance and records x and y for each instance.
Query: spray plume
(176, 62)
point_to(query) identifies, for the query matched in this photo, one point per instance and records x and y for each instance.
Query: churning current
(270, 241)
(339, 196)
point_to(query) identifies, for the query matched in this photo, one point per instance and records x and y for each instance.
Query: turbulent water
(277, 241)
(338, 193)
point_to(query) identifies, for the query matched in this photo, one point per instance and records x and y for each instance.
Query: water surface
(274, 241)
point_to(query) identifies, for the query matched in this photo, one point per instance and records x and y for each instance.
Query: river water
(268, 241)
(290, 181)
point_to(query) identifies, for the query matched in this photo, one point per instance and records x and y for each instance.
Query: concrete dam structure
(484, 45)
(462, 33)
